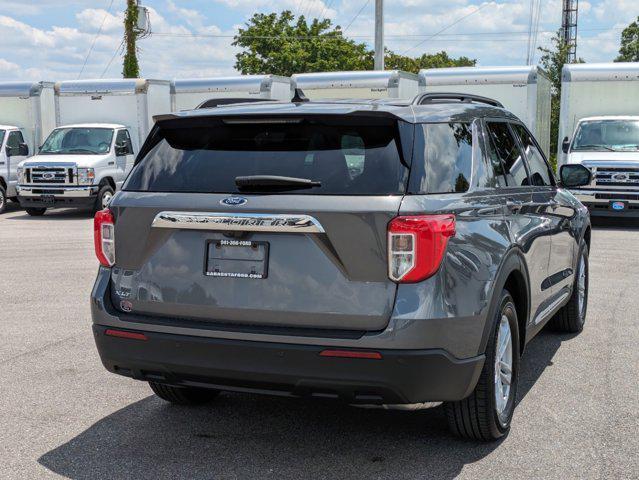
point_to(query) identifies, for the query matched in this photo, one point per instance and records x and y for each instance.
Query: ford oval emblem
(234, 201)
(618, 205)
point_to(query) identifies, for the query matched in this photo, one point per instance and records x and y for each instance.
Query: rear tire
(572, 316)
(183, 395)
(35, 212)
(486, 414)
(3, 199)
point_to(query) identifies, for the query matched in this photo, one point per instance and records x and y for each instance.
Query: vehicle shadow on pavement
(242, 436)
(53, 215)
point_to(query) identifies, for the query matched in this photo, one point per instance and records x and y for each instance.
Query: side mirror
(120, 149)
(23, 150)
(575, 175)
(565, 145)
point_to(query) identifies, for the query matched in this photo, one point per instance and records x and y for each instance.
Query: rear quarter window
(443, 158)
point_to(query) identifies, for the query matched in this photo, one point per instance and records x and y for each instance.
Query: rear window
(207, 155)
(443, 159)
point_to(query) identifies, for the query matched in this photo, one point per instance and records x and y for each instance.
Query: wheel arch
(3, 183)
(513, 276)
(107, 180)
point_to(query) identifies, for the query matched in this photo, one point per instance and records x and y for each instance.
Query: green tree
(280, 44)
(552, 61)
(436, 60)
(629, 49)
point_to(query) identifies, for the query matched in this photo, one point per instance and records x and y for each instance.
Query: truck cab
(80, 165)
(609, 147)
(13, 150)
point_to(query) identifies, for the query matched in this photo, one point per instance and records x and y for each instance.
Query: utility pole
(131, 68)
(569, 28)
(379, 34)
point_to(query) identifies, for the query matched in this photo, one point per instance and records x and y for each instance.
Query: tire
(3, 199)
(35, 212)
(572, 316)
(478, 416)
(105, 192)
(183, 395)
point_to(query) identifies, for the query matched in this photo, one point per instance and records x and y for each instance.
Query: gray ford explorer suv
(377, 252)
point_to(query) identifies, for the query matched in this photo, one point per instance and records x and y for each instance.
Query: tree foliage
(131, 67)
(552, 61)
(280, 44)
(629, 49)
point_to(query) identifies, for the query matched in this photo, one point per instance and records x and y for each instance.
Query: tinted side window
(540, 174)
(15, 139)
(123, 137)
(443, 158)
(505, 147)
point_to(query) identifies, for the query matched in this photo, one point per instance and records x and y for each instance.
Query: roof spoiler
(426, 98)
(220, 102)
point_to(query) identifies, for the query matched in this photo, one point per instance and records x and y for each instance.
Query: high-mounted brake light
(104, 237)
(416, 246)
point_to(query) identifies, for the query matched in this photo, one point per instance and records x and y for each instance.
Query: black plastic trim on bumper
(59, 202)
(401, 376)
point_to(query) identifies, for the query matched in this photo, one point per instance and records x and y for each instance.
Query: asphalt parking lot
(62, 414)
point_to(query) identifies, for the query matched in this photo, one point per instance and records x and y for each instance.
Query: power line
(396, 37)
(446, 28)
(112, 58)
(358, 14)
(327, 6)
(106, 13)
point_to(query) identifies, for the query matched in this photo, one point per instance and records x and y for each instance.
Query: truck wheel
(572, 316)
(3, 199)
(105, 194)
(486, 414)
(35, 212)
(183, 395)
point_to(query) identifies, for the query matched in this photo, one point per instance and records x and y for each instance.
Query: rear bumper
(400, 376)
(599, 202)
(52, 196)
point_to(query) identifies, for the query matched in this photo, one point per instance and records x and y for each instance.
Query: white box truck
(525, 91)
(85, 160)
(187, 94)
(359, 84)
(27, 116)
(599, 128)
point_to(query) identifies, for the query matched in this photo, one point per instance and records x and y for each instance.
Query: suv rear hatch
(307, 250)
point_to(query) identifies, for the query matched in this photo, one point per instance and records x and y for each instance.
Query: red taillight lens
(416, 246)
(104, 237)
(351, 354)
(125, 334)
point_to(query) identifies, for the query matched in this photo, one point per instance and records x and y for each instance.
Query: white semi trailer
(85, 160)
(187, 94)
(525, 91)
(27, 116)
(599, 128)
(360, 84)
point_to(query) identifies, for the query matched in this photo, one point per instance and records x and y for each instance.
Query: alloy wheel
(503, 368)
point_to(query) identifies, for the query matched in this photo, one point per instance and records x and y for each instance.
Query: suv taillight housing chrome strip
(416, 246)
(104, 237)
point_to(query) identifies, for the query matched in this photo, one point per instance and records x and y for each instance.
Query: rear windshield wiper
(274, 182)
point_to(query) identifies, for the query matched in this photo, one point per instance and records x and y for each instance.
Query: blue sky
(52, 39)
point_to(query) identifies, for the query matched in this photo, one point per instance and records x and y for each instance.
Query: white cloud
(91, 19)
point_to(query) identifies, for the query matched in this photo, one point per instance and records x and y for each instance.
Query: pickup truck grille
(49, 175)
(617, 177)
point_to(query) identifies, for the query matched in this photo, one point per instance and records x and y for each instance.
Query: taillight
(104, 237)
(416, 246)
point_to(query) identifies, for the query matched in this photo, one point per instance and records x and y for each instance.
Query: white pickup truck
(13, 150)
(609, 146)
(77, 166)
